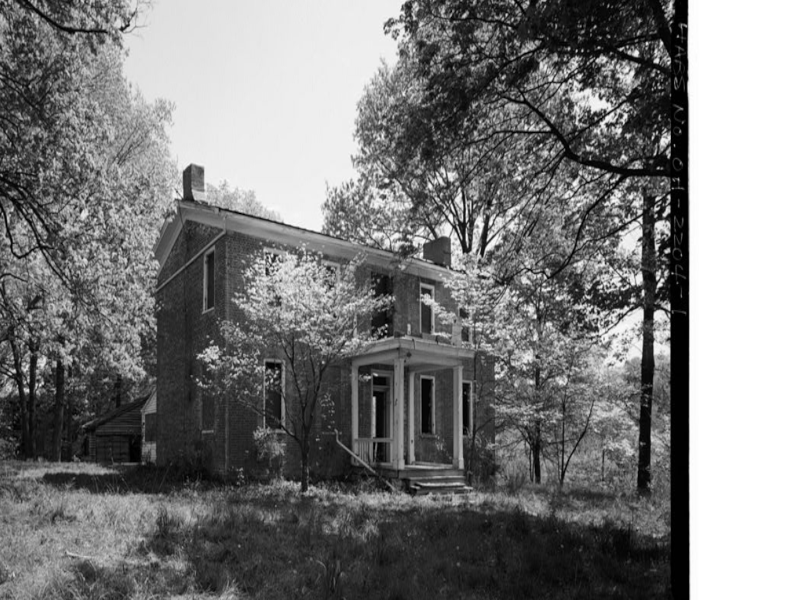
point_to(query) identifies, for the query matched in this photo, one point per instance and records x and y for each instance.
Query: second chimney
(194, 183)
(438, 251)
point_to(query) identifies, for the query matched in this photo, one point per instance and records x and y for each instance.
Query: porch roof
(419, 354)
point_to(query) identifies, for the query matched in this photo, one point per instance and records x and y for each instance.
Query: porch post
(398, 462)
(458, 431)
(411, 458)
(353, 407)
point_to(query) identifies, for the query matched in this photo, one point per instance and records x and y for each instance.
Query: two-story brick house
(404, 405)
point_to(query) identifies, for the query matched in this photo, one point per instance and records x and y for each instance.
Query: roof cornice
(283, 234)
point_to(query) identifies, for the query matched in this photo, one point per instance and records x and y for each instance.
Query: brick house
(404, 406)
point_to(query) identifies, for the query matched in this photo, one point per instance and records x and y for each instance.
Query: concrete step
(424, 488)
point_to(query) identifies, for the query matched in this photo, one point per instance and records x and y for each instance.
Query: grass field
(84, 531)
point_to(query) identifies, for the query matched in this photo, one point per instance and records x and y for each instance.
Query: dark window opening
(383, 321)
(426, 401)
(425, 310)
(208, 295)
(273, 394)
(466, 407)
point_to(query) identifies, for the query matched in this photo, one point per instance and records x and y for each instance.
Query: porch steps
(422, 480)
(422, 485)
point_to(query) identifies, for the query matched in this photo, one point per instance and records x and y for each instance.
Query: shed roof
(117, 413)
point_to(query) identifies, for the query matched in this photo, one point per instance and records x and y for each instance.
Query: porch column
(411, 422)
(458, 431)
(398, 462)
(353, 407)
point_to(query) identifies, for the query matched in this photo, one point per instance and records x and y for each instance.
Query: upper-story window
(425, 310)
(383, 321)
(466, 332)
(274, 391)
(208, 280)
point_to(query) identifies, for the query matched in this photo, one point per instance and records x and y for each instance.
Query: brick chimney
(438, 251)
(194, 183)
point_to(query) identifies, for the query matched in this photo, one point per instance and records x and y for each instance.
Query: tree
(306, 313)
(586, 83)
(83, 188)
(45, 47)
(244, 201)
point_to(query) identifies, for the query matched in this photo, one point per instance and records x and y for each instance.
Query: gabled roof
(117, 412)
(281, 233)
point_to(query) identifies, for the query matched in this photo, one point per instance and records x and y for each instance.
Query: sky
(265, 92)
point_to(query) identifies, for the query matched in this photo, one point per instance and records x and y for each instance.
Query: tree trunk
(537, 431)
(648, 359)
(304, 470)
(58, 411)
(68, 423)
(33, 365)
(19, 378)
(537, 453)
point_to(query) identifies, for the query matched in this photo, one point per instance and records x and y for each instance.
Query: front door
(381, 415)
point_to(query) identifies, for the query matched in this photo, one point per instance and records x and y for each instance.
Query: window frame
(422, 305)
(282, 363)
(211, 252)
(432, 379)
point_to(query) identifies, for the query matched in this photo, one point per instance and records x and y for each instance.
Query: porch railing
(374, 450)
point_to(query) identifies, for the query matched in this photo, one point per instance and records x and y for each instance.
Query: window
(208, 280)
(150, 427)
(427, 404)
(383, 321)
(273, 256)
(466, 407)
(466, 333)
(425, 310)
(273, 394)
(332, 269)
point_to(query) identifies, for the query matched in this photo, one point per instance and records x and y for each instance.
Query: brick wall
(183, 331)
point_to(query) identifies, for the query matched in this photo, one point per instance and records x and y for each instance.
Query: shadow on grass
(348, 549)
(129, 479)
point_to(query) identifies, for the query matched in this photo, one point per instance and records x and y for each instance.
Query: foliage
(77, 269)
(299, 310)
(588, 80)
(243, 201)
(583, 85)
(271, 450)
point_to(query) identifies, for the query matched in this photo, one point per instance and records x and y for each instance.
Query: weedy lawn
(84, 531)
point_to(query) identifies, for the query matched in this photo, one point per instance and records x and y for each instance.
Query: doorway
(381, 426)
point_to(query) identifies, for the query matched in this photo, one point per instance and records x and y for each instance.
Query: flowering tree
(304, 312)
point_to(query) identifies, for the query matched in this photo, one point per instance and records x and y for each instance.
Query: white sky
(265, 92)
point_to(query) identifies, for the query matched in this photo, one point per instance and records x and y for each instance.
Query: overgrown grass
(89, 532)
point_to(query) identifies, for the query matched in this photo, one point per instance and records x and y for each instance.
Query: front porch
(404, 425)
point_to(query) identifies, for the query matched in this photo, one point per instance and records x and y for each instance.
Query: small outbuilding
(117, 435)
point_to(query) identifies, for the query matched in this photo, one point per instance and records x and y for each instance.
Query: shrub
(270, 449)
